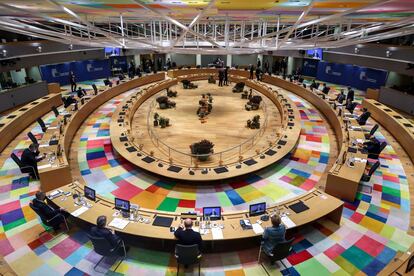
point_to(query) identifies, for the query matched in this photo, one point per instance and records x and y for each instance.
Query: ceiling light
(388, 53)
(39, 49)
(4, 52)
(70, 46)
(356, 50)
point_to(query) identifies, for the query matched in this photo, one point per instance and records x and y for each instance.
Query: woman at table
(273, 235)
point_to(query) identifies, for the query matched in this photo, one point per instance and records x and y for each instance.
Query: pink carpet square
(127, 191)
(65, 248)
(97, 162)
(334, 251)
(357, 217)
(370, 246)
(5, 208)
(308, 184)
(5, 247)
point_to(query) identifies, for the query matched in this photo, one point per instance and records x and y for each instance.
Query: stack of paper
(217, 233)
(257, 228)
(79, 211)
(287, 222)
(44, 166)
(119, 223)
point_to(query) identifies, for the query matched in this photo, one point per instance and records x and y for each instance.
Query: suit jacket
(373, 147)
(47, 211)
(29, 158)
(350, 95)
(105, 233)
(188, 237)
(364, 117)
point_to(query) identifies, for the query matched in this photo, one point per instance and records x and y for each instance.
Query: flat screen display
(121, 204)
(212, 212)
(257, 209)
(89, 193)
(314, 53)
(112, 51)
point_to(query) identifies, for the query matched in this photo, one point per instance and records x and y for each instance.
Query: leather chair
(376, 155)
(42, 124)
(367, 177)
(48, 222)
(104, 248)
(280, 251)
(22, 167)
(32, 138)
(188, 255)
(372, 131)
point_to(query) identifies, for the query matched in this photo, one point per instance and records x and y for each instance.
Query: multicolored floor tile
(373, 228)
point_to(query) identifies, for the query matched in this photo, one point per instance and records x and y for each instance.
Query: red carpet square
(299, 257)
(370, 246)
(65, 248)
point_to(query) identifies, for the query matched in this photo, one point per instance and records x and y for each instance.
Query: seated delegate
(187, 236)
(30, 157)
(372, 146)
(68, 101)
(273, 235)
(340, 97)
(81, 92)
(100, 231)
(48, 211)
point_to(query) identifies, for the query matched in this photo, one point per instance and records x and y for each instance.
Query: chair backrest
(17, 160)
(95, 89)
(37, 211)
(187, 254)
(101, 245)
(373, 129)
(55, 111)
(42, 124)
(282, 250)
(382, 146)
(410, 264)
(32, 138)
(374, 168)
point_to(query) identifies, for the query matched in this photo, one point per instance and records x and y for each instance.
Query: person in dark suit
(226, 75)
(48, 211)
(314, 85)
(100, 231)
(187, 236)
(221, 76)
(30, 157)
(341, 97)
(373, 146)
(251, 72)
(350, 95)
(362, 119)
(72, 80)
(325, 89)
(80, 92)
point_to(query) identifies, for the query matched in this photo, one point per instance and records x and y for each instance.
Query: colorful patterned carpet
(373, 227)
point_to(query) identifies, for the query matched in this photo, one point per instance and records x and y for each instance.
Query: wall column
(137, 60)
(198, 59)
(229, 60)
(259, 57)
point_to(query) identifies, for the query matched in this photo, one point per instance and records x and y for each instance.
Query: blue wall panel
(310, 67)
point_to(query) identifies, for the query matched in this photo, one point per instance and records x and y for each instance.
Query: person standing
(266, 67)
(350, 95)
(221, 77)
(72, 80)
(259, 63)
(226, 75)
(251, 71)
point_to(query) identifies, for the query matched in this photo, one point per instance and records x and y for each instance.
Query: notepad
(119, 223)
(43, 145)
(257, 228)
(44, 166)
(217, 233)
(79, 211)
(287, 222)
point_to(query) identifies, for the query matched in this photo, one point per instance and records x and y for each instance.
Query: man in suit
(373, 146)
(30, 157)
(350, 95)
(72, 80)
(325, 89)
(48, 211)
(80, 92)
(314, 85)
(251, 72)
(340, 97)
(100, 231)
(187, 236)
(226, 75)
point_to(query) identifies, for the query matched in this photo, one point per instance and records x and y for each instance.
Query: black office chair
(376, 155)
(410, 265)
(22, 167)
(372, 131)
(362, 121)
(55, 111)
(280, 251)
(95, 89)
(42, 124)
(104, 248)
(49, 223)
(188, 255)
(32, 138)
(367, 177)
(352, 107)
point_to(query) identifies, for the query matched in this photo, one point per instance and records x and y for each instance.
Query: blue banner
(310, 67)
(119, 62)
(364, 78)
(83, 70)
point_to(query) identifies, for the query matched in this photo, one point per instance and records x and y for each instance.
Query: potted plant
(202, 150)
(156, 117)
(163, 122)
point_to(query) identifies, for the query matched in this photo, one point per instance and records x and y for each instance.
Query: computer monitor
(315, 53)
(122, 205)
(89, 193)
(213, 213)
(257, 209)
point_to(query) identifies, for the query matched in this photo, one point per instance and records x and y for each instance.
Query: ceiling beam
(195, 20)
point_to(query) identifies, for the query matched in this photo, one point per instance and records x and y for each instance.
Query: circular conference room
(210, 137)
